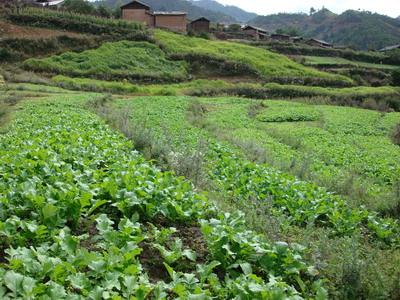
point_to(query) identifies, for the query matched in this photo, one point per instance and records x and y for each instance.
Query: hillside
(360, 30)
(193, 11)
(233, 11)
(242, 59)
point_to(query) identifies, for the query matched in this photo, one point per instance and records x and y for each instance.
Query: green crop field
(224, 126)
(84, 216)
(338, 61)
(119, 60)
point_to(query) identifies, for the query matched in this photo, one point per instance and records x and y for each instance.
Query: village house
(142, 13)
(255, 32)
(280, 37)
(201, 25)
(319, 43)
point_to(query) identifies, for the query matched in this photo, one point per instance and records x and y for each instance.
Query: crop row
(347, 150)
(84, 216)
(302, 203)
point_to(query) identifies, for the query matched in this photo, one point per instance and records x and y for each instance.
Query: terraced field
(340, 62)
(261, 62)
(136, 170)
(130, 61)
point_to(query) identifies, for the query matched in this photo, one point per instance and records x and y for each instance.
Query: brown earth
(8, 30)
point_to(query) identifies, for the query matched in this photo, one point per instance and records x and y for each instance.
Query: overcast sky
(266, 7)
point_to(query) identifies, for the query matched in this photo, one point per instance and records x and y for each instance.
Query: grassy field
(130, 61)
(338, 61)
(208, 140)
(263, 63)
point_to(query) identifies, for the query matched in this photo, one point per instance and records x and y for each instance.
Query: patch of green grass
(326, 60)
(265, 64)
(120, 60)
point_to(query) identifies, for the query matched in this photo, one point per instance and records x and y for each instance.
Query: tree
(396, 77)
(104, 11)
(312, 11)
(234, 27)
(79, 6)
(290, 30)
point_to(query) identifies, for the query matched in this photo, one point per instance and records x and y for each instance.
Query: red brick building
(142, 13)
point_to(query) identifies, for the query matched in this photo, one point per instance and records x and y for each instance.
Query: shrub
(396, 77)
(396, 135)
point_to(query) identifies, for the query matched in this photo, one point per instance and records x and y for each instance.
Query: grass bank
(244, 59)
(130, 61)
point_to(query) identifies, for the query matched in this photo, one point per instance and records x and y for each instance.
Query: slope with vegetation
(243, 59)
(63, 31)
(114, 61)
(360, 30)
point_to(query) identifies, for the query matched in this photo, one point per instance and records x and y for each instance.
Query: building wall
(251, 32)
(280, 38)
(176, 23)
(200, 26)
(138, 15)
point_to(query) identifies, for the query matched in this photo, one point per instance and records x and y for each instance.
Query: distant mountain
(193, 11)
(358, 29)
(233, 11)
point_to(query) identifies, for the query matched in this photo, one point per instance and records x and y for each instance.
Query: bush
(396, 77)
(396, 135)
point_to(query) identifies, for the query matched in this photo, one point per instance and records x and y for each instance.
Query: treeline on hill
(359, 29)
(391, 57)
